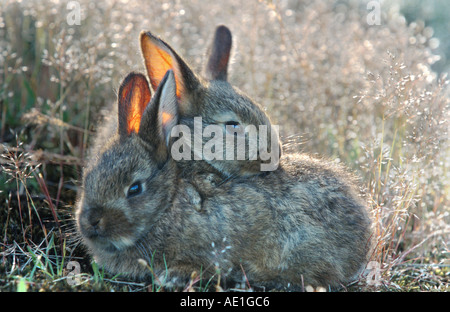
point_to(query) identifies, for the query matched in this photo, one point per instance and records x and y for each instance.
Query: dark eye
(234, 128)
(232, 123)
(134, 189)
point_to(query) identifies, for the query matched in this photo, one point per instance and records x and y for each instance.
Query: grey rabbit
(302, 224)
(211, 97)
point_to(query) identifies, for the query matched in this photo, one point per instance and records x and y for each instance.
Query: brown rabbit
(302, 224)
(213, 101)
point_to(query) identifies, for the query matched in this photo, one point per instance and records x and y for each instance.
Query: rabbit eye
(233, 127)
(232, 123)
(134, 189)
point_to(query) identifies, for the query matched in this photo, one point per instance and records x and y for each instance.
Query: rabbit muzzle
(107, 229)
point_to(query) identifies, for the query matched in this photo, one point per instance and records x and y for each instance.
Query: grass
(375, 105)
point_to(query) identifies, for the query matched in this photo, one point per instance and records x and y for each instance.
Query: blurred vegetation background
(434, 14)
(374, 97)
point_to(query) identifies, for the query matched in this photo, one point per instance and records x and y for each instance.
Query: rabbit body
(303, 221)
(302, 224)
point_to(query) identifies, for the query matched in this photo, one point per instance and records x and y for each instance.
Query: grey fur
(213, 98)
(303, 224)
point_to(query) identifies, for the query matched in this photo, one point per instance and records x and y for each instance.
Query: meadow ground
(343, 81)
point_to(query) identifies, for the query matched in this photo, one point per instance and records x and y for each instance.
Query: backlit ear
(134, 95)
(168, 106)
(159, 57)
(219, 55)
(160, 116)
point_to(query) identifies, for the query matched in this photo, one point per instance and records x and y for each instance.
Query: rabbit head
(116, 207)
(236, 135)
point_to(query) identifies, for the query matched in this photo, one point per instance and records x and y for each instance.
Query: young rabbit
(302, 224)
(212, 101)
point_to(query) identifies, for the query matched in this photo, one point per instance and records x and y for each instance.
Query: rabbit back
(304, 221)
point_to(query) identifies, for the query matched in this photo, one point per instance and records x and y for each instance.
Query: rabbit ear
(219, 55)
(134, 95)
(168, 106)
(159, 57)
(160, 117)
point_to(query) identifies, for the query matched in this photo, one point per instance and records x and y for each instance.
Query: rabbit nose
(97, 225)
(95, 222)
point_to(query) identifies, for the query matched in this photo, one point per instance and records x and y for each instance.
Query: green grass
(375, 106)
